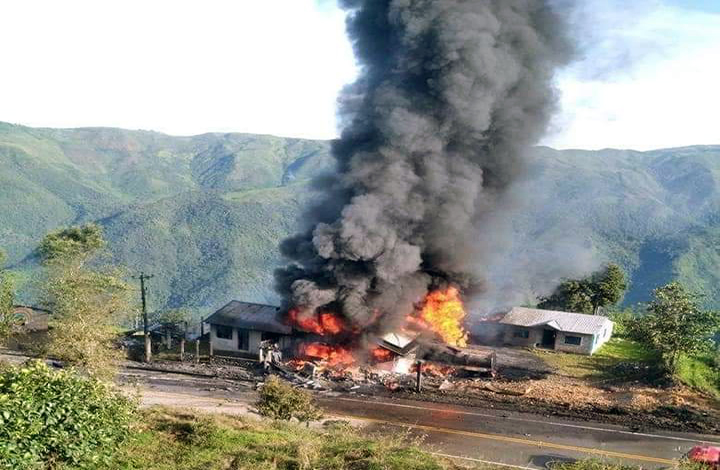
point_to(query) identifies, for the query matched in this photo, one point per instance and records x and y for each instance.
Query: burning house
(437, 128)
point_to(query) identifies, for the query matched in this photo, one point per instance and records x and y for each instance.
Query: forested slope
(205, 213)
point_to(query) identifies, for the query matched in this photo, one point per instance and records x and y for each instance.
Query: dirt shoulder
(635, 405)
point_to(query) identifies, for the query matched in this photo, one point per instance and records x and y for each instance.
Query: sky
(646, 75)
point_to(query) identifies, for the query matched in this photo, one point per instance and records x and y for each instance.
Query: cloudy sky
(646, 76)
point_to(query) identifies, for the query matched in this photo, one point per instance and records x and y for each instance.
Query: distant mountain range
(205, 213)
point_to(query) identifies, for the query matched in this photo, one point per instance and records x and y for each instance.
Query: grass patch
(605, 362)
(591, 464)
(700, 373)
(179, 440)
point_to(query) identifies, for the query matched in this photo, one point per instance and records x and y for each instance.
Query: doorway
(548, 339)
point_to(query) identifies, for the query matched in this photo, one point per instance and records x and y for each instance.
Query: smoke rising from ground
(437, 129)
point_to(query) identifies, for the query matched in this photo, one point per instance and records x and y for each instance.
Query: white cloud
(663, 95)
(648, 79)
(179, 66)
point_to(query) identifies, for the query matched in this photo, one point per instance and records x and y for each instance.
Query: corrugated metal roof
(250, 316)
(563, 321)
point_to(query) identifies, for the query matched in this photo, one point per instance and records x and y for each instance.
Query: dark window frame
(223, 332)
(572, 342)
(243, 341)
(524, 333)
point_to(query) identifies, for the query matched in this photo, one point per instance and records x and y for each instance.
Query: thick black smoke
(451, 96)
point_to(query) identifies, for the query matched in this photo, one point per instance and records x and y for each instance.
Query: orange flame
(332, 355)
(434, 370)
(323, 324)
(443, 313)
(381, 354)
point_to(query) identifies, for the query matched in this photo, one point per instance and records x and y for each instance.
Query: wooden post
(182, 341)
(418, 383)
(168, 339)
(197, 351)
(211, 347)
(148, 348)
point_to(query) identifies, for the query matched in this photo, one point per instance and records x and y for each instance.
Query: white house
(564, 331)
(239, 327)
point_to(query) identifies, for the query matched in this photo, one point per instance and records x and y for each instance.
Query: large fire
(381, 354)
(321, 324)
(443, 312)
(332, 356)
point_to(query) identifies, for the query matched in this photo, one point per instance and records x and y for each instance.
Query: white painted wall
(231, 345)
(588, 343)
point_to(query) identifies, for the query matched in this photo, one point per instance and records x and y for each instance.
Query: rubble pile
(399, 361)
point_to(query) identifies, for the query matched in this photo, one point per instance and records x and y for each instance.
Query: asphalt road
(471, 434)
(517, 439)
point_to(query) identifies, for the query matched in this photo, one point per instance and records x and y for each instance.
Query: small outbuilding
(238, 328)
(564, 331)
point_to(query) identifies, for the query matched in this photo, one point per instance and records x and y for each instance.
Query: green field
(701, 373)
(603, 363)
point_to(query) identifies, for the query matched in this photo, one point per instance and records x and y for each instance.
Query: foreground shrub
(279, 400)
(48, 417)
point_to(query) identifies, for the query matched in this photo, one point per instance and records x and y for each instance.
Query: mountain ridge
(206, 212)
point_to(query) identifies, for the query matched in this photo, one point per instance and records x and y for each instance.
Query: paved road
(474, 434)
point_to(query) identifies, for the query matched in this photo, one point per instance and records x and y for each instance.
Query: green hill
(205, 213)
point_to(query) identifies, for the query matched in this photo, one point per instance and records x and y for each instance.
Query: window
(243, 340)
(223, 332)
(521, 334)
(274, 337)
(574, 340)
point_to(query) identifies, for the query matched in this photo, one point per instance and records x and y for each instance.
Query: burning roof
(398, 343)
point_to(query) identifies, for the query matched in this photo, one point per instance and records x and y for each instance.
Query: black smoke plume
(451, 96)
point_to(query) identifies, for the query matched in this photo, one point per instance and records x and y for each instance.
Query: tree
(601, 289)
(609, 286)
(8, 320)
(174, 317)
(87, 303)
(75, 243)
(675, 325)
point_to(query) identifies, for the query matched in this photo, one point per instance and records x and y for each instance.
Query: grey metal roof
(562, 321)
(250, 316)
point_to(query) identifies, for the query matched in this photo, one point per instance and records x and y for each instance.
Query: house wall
(534, 336)
(602, 339)
(586, 345)
(231, 345)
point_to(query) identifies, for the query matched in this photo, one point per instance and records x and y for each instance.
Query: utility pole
(143, 294)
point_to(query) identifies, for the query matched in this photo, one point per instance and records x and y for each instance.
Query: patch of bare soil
(637, 407)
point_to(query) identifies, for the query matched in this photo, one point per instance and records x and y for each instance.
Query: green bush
(279, 400)
(49, 417)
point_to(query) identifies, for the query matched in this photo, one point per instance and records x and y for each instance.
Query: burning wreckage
(432, 343)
